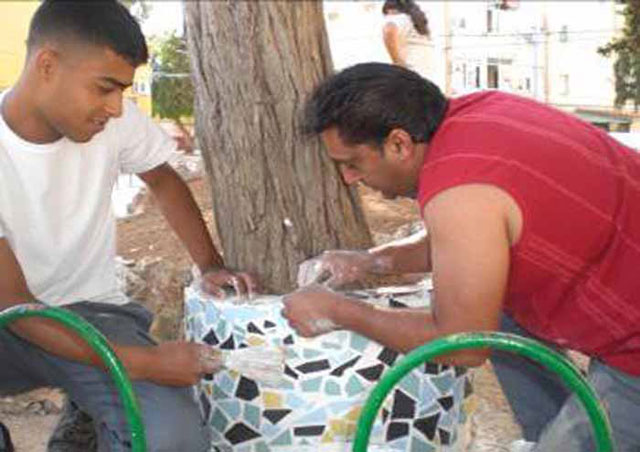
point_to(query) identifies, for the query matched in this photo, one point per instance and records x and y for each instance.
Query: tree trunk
(277, 197)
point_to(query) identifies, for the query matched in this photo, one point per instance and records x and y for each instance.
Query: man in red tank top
(533, 226)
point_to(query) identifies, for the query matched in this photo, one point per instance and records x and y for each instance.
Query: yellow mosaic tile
(327, 437)
(254, 341)
(354, 413)
(340, 427)
(337, 427)
(272, 400)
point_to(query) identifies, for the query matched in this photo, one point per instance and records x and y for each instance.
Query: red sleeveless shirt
(575, 272)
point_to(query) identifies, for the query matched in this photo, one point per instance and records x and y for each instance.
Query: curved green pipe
(549, 358)
(99, 344)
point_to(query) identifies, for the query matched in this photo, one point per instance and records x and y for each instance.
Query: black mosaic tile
(446, 402)
(338, 371)
(288, 340)
(427, 425)
(444, 368)
(371, 373)
(240, 433)
(252, 328)
(206, 405)
(404, 407)
(459, 371)
(393, 303)
(388, 356)
(243, 345)
(229, 344)
(431, 368)
(269, 324)
(397, 430)
(275, 416)
(385, 415)
(207, 377)
(247, 389)
(314, 366)
(211, 338)
(445, 437)
(310, 430)
(289, 371)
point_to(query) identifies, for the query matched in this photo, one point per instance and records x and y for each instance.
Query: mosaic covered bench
(326, 382)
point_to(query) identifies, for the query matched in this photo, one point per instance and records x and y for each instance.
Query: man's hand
(338, 268)
(180, 363)
(311, 310)
(214, 281)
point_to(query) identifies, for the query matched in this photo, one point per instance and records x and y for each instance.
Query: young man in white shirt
(65, 134)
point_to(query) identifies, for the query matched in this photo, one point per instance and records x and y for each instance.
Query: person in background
(65, 134)
(533, 227)
(406, 36)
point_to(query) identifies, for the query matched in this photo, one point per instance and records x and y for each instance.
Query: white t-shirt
(419, 52)
(55, 205)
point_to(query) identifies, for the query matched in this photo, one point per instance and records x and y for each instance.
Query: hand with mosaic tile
(179, 363)
(216, 280)
(341, 268)
(337, 268)
(310, 310)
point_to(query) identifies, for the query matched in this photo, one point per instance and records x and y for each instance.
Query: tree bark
(277, 197)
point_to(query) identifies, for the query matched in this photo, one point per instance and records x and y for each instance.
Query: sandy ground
(146, 235)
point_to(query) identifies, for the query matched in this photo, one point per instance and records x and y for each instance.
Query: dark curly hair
(409, 7)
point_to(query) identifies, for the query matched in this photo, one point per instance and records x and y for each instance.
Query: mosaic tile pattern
(327, 380)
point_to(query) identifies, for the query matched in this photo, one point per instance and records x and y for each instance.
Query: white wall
(517, 44)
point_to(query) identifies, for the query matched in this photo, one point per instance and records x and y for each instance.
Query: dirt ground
(31, 417)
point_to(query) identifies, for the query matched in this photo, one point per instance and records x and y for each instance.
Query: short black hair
(101, 23)
(366, 101)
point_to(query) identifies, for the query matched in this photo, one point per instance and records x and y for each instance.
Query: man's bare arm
(470, 239)
(50, 335)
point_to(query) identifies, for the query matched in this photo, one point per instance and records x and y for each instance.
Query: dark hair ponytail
(409, 7)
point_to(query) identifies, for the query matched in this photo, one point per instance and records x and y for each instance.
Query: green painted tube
(547, 357)
(99, 344)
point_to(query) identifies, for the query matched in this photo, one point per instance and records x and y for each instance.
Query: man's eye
(105, 89)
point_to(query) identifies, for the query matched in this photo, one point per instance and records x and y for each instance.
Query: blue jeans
(171, 416)
(554, 418)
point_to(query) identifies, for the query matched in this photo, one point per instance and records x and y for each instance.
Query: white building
(541, 49)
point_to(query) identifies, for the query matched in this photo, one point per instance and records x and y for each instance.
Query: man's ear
(47, 63)
(399, 145)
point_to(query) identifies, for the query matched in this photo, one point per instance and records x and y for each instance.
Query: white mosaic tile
(327, 381)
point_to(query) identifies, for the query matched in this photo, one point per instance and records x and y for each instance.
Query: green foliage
(626, 48)
(171, 88)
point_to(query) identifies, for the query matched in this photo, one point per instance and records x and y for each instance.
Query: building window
(564, 34)
(477, 76)
(564, 84)
(492, 76)
(490, 21)
(527, 83)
